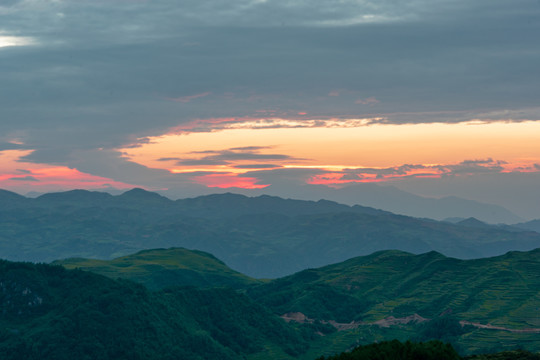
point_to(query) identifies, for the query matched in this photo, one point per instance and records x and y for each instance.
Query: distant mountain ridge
(533, 225)
(398, 201)
(216, 205)
(263, 237)
(391, 199)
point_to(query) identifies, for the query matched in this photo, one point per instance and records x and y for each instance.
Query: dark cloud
(100, 73)
(471, 167)
(24, 178)
(467, 167)
(224, 157)
(9, 146)
(488, 161)
(192, 174)
(248, 155)
(204, 161)
(284, 176)
(249, 148)
(257, 166)
(168, 159)
(398, 170)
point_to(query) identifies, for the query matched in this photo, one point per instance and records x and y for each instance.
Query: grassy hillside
(479, 306)
(49, 312)
(160, 268)
(495, 299)
(503, 290)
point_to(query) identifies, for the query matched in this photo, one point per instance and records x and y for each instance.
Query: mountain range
(262, 237)
(390, 198)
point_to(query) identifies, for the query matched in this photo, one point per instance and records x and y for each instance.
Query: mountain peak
(73, 194)
(10, 195)
(10, 199)
(141, 194)
(473, 222)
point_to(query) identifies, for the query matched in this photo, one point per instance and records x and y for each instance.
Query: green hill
(160, 268)
(48, 312)
(479, 305)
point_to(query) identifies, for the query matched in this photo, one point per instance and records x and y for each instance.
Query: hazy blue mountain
(230, 205)
(262, 236)
(392, 199)
(10, 199)
(533, 225)
(473, 222)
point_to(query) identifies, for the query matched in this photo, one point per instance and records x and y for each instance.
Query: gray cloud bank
(103, 74)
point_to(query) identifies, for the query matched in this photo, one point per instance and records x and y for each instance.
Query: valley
(255, 278)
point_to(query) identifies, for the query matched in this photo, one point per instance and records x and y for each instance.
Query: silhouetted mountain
(533, 225)
(143, 197)
(398, 201)
(473, 222)
(10, 199)
(82, 198)
(263, 236)
(232, 205)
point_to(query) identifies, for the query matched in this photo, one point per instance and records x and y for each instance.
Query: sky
(437, 98)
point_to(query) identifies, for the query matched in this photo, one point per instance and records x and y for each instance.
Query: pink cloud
(59, 177)
(228, 181)
(464, 168)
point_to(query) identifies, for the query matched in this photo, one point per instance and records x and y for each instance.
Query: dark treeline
(430, 350)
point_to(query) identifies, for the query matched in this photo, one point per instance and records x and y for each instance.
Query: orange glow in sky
(228, 181)
(240, 147)
(337, 151)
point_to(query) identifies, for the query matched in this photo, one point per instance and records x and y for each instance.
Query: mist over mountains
(385, 197)
(389, 198)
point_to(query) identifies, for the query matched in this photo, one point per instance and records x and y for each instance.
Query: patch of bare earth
(493, 327)
(393, 321)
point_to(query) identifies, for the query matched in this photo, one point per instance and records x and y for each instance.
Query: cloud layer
(82, 79)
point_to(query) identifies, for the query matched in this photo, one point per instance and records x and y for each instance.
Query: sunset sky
(437, 98)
